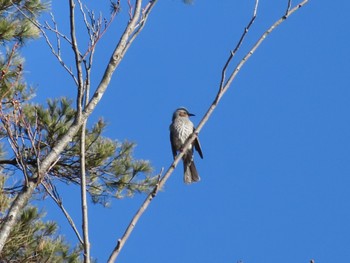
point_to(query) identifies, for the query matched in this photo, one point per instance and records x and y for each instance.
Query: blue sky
(275, 175)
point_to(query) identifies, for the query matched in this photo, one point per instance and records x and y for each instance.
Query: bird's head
(182, 112)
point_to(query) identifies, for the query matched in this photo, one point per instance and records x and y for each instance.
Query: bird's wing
(172, 143)
(197, 146)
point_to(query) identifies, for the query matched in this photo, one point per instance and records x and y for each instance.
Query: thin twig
(48, 42)
(130, 9)
(256, 45)
(58, 38)
(54, 30)
(89, 28)
(145, 13)
(190, 140)
(59, 203)
(98, 35)
(232, 53)
(288, 7)
(134, 220)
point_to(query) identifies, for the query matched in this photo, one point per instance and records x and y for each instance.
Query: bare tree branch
(223, 88)
(134, 221)
(84, 206)
(83, 188)
(59, 202)
(233, 53)
(145, 13)
(77, 59)
(288, 7)
(48, 42)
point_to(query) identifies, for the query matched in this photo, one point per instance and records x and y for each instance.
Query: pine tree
(32, 131)
(32, 239)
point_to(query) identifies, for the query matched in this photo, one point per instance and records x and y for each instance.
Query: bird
(180, 129)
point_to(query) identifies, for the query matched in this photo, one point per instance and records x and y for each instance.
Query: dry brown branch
(222, 89)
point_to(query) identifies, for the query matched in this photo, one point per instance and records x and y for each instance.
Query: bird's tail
(190, 171)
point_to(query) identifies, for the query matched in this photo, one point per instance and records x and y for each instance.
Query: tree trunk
(14, 212)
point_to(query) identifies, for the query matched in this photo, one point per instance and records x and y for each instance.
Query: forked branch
(239, 43)
(50, 190)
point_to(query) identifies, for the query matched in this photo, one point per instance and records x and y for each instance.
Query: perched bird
(180, 129)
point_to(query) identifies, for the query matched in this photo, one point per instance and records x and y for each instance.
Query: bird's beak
(191, 114)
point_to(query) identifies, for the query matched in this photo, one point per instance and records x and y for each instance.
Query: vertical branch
(84, 206)
(77, 58)
(80, 95)
(130, 9)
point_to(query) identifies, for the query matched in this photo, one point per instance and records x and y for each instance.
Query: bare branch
(145, 13)
(83, 188)
(115, 59)
(134, 221)
(288, 7)
(98, 34)
(54, 29)
(58, 56)
(59, 202)
(78, 58)
(58, 38)
(130, 9)
(256, 45)
(87, 24)
(84, 206)
(48, 42)
(232, 53)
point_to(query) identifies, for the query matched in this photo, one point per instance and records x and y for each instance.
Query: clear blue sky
(276, 171)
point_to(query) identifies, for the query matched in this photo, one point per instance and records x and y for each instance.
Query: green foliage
(12, 86)
(110, 167)
(33, 130)
(30, 132)
(16, 19)
(32, 239)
